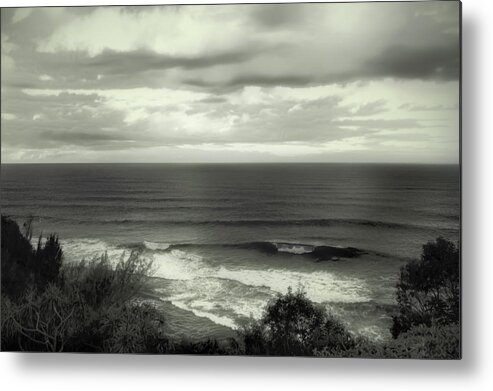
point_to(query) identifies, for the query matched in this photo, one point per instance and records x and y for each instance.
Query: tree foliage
(292, 325)
(39, 322)
(24, 267)
(428, 290)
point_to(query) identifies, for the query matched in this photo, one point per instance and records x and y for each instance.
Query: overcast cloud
(363, 82)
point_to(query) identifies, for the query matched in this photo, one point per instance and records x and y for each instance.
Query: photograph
(232, 179)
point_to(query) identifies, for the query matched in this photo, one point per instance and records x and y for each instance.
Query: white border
(94, 372)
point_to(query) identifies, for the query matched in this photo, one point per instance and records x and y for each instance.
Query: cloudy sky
(375, 82)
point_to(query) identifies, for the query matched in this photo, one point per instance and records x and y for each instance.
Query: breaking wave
(224, 293)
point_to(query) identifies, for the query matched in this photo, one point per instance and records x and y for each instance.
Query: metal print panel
(244, 179)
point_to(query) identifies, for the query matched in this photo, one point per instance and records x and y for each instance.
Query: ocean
(226, 238)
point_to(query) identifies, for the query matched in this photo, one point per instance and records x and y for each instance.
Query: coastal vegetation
(99, 306)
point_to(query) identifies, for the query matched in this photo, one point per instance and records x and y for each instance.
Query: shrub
(207, 347)
(24, 267)
(428, 290)
(39, 322)
(423, 342)
(101, 283)
(293, 325)
(54, 321)
(361, 347)
(113, 320)
(131, 328)
(420, 342)
(16, 256)
(86, 306)
(47, 261)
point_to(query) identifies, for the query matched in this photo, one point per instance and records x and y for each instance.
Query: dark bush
(420, 342)
(101, 283)
(423, 342)
(40, 322)
(17, 253)
(47, 261)
(72, 318)
(428, 290)
(292, 325)
(88, 306)
(22, 266)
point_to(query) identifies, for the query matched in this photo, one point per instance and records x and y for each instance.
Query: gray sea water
(226, 238)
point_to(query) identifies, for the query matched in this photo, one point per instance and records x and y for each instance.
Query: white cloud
(168, 30)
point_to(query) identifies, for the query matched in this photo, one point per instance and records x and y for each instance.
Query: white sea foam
(156, 245)
(319, 286)
(294, 248)
(179, 265)
(88, 249)
(222, 301)
(224, 293)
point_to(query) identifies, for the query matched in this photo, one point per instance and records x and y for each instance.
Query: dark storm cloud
(82, 137)
(434, 63)
(120, 69)
(112, 62)
(425, 63)
(436, 58)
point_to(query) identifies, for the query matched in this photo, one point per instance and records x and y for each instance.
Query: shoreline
(184, 324)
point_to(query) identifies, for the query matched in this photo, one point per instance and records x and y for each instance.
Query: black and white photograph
(232, 179)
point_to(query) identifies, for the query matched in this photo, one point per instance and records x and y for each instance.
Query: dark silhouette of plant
(47, 261)
(24, 267)
(86, 306)
(423, 342)
(420, 342)
(101, 283)
(428, 290)
(17, 254)
(293, 325)
(38, 322)
(27, 226)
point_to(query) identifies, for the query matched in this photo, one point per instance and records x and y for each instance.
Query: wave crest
(156, 246)
(320, 252)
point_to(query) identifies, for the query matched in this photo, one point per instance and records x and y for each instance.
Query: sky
(362, 82)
